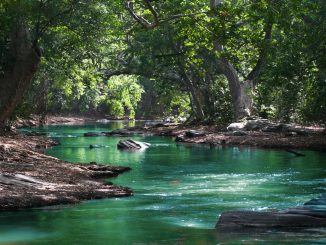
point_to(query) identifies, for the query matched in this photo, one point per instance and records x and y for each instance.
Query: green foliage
(124, 93)
(294, 82)
(83, 40)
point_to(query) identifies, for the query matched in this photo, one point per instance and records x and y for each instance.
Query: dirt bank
(29, 178)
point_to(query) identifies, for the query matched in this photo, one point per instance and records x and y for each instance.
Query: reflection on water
(180, 190)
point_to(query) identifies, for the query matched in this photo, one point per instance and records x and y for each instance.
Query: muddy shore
(31, 179)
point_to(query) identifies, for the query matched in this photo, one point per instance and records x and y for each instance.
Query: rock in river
(312, 214)
(93, 134)
(132, 145)
(96, 146)
(291, 218)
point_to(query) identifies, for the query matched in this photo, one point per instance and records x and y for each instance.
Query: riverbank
(306, 138)
(29, 179)
(314, 139)
(36, 121)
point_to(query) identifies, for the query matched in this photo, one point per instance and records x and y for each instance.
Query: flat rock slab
(132, 145)
(291, 218)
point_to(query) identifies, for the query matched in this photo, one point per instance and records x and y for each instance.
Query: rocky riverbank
(270, 136)
(30, 179)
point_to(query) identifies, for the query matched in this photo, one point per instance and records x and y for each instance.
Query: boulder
(179, 138)
(249, 125)
(132, 145)
(321, 201)
(193, 134)
(103, 121)
(257, 124)
(165, 125)
(169, 120)
(236, 126)
(291, 218)
(311, 214)
(275, 128)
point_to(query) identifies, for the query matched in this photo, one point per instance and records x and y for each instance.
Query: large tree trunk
(22, 63)
(241, 93)
(197, 104)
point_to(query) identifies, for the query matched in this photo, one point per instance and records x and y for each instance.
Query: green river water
(179, 192)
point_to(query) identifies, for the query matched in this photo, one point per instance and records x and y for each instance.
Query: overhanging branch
(141, 20)
(150, 25)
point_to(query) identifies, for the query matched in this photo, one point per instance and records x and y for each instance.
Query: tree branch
(261, 62)
(141, 20)
(178, 16)
(150, 25)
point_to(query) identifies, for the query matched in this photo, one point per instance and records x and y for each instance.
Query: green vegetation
(210, 62)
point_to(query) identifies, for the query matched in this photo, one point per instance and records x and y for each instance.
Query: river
(179, 192)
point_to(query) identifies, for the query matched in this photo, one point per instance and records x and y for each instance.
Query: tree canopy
(209, 61)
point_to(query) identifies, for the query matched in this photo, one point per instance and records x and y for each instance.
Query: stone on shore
(193, 134)
(236, 126)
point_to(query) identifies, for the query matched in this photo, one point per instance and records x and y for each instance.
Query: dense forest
(208, 61)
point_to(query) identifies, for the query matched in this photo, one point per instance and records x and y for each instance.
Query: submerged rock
(96, 146)
(93, 134)
(132, 145)
(321, 201)
(36, 134)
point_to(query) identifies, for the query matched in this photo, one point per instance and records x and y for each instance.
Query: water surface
(179, 192)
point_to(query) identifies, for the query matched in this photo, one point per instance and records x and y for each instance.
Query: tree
(223, 17)
(28, 25)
